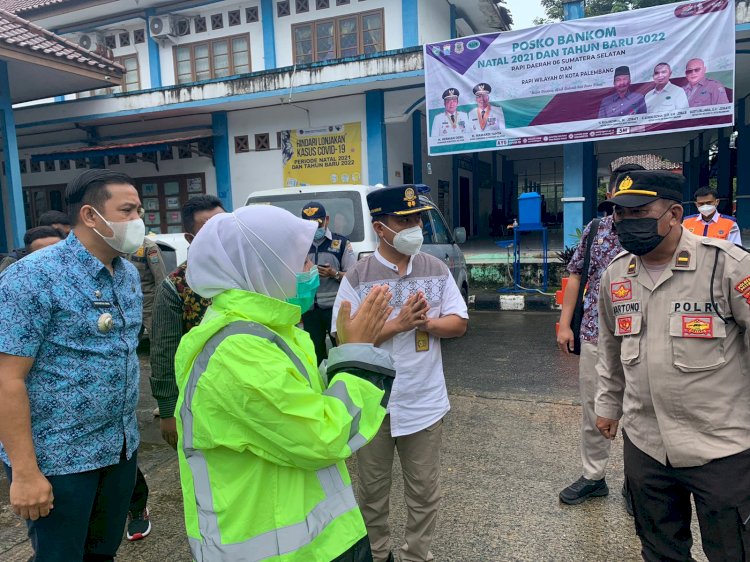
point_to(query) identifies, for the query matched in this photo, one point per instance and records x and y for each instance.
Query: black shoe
(628, 500)
(139, 525)
(582, 489)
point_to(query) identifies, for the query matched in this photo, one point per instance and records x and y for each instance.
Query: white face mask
(407, 242)
(706, 210)
(127, 236)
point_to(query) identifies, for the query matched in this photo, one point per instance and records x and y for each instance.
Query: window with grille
(200, 24)
(49, 166)
(131, 79)
(139, 36)
(234, 18)
(301, 6)
(212, 59)
(65, 164)
(36, 166)
(283, 9)
(131, 158)
(321, 4)
(241, 144)
(80, 163)
(217, 21)
(345, 36)
(342, 2)
(124, 39)
(184, 151)
(22, 165)
(251, 14)
(166, 154)
(149, 157)
(262, 141)
(113, 160)
(110, 42)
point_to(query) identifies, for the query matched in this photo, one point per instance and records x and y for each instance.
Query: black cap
(606, 206)
(451, 93)
(641, 187)
(314, 211)
(622, 71)
(396, 200)
(482, 88)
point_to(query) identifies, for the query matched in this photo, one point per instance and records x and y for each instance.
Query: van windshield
(343, 207)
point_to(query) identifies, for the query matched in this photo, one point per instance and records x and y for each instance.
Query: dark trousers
(140, 493)
(359, 552)
(317, 323)
(88, 518)
(661, 502)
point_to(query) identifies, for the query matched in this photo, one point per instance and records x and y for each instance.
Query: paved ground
(511, 443)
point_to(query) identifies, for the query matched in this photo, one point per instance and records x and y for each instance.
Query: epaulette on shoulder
(734, 250)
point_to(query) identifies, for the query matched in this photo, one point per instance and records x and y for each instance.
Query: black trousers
(89, 516)
(140, 493)
(661, 502)
(359, 552)
(317, 323)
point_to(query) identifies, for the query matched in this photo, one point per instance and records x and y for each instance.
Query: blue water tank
(530, 210)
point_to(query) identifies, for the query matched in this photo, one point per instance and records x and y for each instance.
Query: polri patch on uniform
(683, 259)
(743, 285)
(624, 325)
(697, 326)
(153, 255)
(335, 244)
(632, 266)
(621, 291)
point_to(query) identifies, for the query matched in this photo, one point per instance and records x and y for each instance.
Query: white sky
(524, 11)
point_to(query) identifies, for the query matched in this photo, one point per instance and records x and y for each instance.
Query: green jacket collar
(257, 308)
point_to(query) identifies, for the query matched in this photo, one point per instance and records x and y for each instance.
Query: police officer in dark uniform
(333, 255)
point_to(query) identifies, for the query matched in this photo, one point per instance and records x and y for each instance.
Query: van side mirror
(459, 235)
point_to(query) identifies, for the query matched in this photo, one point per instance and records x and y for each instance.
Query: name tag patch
(621, 291)
(626, 308)
(743, 285)
(697, 326)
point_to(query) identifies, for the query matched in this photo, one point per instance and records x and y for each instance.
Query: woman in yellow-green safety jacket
(263, 435)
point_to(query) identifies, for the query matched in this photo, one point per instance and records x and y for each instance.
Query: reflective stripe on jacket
(263, 441)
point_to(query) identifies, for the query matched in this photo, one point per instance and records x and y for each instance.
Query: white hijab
(258, 248)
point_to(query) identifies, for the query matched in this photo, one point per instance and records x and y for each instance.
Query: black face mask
(640, 236)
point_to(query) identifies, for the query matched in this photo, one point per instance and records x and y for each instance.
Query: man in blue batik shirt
(69, 321)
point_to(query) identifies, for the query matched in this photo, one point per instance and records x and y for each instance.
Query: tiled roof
(18, 6)
(17, 33)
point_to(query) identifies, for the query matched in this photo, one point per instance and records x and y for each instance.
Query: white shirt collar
(391, 266)
(714, 218)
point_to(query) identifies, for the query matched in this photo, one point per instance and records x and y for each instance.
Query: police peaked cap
(396, 200)
(622, 71)
(641, 187)
(451, 93)
(314, 211)
(482, 88)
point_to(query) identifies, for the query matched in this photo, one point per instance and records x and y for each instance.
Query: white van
(346, 205)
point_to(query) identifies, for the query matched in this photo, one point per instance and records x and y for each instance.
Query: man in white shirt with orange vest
(427, 306)
(709, 222)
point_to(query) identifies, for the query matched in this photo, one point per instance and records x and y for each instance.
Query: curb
(496, 302)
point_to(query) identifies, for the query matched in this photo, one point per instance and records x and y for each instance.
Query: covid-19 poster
(323, 155)
(655, 70)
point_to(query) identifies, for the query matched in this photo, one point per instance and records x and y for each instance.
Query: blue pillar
(454, 32)
(12, 167)
(724, 172)
(220, 127)
(455, 193)
(377, 159)
(154, 57)
(743, 164)
(416, 144)
(578, 160)
(269, 34)
(410, 22)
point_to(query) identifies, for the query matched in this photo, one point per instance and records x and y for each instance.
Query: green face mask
(307, 285)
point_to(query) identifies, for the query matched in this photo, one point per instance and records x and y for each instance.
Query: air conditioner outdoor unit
(90, 41)
(168, 26)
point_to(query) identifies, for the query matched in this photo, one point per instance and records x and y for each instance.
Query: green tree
(554, 8)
